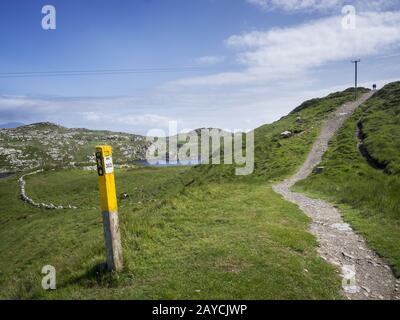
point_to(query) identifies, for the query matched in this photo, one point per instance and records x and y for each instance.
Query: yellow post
(105, 170)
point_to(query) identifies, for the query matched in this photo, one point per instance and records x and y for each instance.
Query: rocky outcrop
(318, 170)
(286, 134)
(48, 145)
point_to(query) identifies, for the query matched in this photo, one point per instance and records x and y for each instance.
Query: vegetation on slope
(381, 126)
(178, 243)
(370, 198)
(276, 157)
(221, 237)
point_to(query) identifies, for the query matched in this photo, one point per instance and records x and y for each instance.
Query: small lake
(5, 174)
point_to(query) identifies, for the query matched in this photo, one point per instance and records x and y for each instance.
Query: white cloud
(321, 5)
(124, 120)
(244, 108)
(210, 60)
(290, 52)
(281, 67)
(116, 113)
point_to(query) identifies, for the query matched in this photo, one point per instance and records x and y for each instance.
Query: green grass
(195, 233)
(381, 125)
(277, 158)
(369, 198)
(178, 242)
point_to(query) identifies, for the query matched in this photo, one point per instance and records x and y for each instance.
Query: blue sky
(232, 64)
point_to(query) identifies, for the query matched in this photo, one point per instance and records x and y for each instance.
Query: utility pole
(356, 76)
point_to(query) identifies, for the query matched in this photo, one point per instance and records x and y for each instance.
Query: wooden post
(105, 170)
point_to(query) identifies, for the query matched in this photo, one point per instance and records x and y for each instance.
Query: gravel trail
(365, 275)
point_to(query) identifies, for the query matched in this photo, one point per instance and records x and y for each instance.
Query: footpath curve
(365, 274)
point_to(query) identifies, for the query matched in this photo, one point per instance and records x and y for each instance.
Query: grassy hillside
(178, 242)
(187, 232)
(277, 157)
(370, 198)
(381, 126)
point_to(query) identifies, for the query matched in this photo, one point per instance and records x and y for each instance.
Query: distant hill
(47, 144)
(11, 125)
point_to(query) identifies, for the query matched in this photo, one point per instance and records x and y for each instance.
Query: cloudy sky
(135, 65)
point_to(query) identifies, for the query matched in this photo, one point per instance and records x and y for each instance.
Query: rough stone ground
(365, 274)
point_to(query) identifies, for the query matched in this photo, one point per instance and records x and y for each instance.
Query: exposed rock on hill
(47, 144)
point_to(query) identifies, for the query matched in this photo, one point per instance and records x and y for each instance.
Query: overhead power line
(150, 70)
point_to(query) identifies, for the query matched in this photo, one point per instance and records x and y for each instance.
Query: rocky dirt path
(365, 274)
